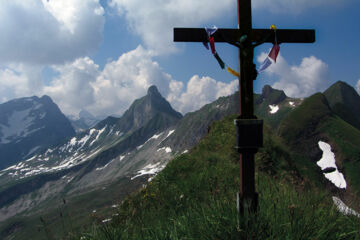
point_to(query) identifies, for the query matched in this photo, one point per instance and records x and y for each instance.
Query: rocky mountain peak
(28, 125)
(153, 91)
(271, 95)
(46, 99)
(345, 102)
(142, 110)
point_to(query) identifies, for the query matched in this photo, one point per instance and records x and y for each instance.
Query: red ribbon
(274, 52)
(212, 44)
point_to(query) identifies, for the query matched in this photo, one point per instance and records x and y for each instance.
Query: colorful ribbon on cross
(272, 55)
(211, 40)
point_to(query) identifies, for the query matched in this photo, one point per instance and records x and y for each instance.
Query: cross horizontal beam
(258, 35)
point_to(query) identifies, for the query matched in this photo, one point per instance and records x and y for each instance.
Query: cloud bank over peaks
(126, 79)
(358, 87)
(72, 89)
(199, 91)
(18, 80)
(82, 85)
(311, 76)
(49, 32)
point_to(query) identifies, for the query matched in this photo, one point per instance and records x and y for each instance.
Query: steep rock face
(273, 96)
(345, 102)
(28, 125)
(144, 109)
(194, 125)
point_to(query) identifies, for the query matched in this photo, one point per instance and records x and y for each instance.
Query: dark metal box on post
(249, 135)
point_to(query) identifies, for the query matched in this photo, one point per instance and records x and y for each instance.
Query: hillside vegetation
(194, 197)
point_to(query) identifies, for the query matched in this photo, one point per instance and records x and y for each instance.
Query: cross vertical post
(247, 197)
(249, 129)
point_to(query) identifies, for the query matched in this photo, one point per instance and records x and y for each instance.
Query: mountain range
(84, 121)
(29, 125)
(118, 155)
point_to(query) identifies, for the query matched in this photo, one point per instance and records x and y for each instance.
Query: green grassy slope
(345, 102)
(194, 198)
(313, 121)
(62, 220)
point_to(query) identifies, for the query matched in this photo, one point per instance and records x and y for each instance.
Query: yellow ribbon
(233, 72)
(273, 27)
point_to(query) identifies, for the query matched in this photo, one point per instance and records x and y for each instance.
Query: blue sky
(101, 55)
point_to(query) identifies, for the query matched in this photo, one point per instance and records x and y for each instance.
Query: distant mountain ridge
(345, 102)
(115, 148)
(28, 125)
(130, 150)
(84, 121)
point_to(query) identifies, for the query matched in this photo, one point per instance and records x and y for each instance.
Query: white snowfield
(156, 136)
(341, 206)
(273, 109)
(151, 169)
(19, 125)
(170, 132)
(80, 143)
(166, 149)
(74, 146)
(292, 104)
(328, 161)
(76, 151)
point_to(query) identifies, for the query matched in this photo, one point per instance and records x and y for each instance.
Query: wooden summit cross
(249, 129)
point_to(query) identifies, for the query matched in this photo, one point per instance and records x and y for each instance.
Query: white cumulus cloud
(82, 85)
(299, 80)
(124, 80)
(199, 91)
(154, 20)
(49, 32)
(72, 89)
(358, 86)
(19, 80)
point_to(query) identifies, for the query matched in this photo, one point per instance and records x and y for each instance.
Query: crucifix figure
(249, 128)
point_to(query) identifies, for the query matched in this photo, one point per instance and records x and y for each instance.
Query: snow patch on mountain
(328, 161)
(156, 136)
(99, 132)
(343, 208)
(166, 149)
(151, 169)
(36, 164)
(292, 104)
(139, 147)
(101, 168)
(94, 134)
(19, 125)
(171, 132)
(273, 109)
